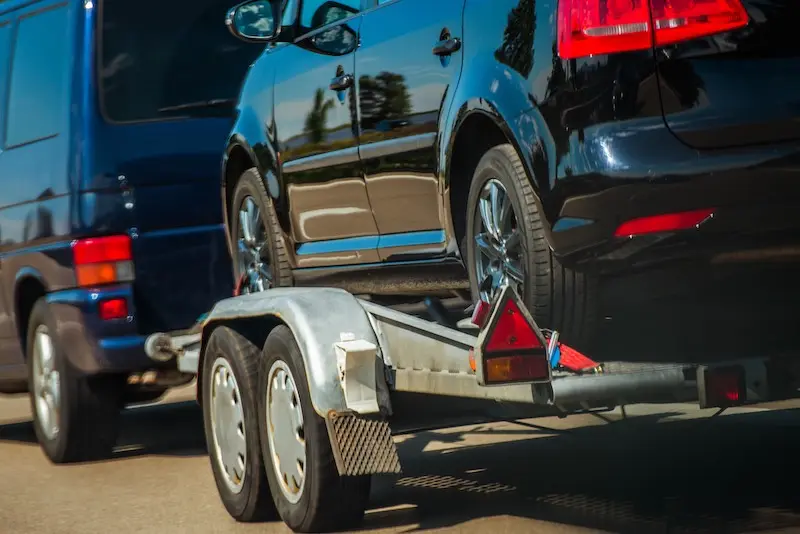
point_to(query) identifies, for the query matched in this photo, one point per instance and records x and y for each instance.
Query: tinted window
(318, 13)
(5, 55)
(38, 91)
(165, 59)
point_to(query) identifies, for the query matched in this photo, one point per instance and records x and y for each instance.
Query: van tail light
(103, 260)
(511, 347)
(112, 309)
(593, 27)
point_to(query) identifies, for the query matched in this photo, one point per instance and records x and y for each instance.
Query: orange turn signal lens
(103, 260)
(94, 274)
(517, 368)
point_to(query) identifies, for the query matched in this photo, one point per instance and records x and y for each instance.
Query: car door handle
(340, 83)
(445, 47)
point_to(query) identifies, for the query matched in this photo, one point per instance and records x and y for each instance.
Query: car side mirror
(255, 20)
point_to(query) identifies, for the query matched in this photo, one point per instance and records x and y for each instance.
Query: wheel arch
(480, 125)
(317, 318)
(29, 287)
(248, 147)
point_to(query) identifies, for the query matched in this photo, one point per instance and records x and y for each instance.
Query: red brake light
(589, 27)
(103, 260)
(592, 27)
(102, 249)
(116, 308)
(668, 222)
(725, 386)
(681, 20)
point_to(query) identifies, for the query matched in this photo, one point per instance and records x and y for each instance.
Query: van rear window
(162, 59)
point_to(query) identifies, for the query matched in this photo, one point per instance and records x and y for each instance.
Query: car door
(407, 63)
(317, 132)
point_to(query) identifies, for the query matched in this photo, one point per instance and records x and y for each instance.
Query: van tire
(558, 298)
(327, 502)
(251, 185)
(87, 422)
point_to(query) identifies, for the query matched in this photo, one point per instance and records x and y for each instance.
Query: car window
(318, 13)
(5, 56)
(183, 62)
(38, 89)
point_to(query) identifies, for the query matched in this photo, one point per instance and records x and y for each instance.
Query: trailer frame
(357, 355)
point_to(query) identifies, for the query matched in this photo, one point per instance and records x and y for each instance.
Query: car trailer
(298, 388)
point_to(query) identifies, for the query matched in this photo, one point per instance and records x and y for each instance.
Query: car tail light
(667, 222)
(115, 308)
(512, 349)
(103, 260)
(592, 27)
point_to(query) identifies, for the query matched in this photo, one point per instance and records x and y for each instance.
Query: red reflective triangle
(512, 331)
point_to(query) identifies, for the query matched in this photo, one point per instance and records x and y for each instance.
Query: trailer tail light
(103, 260)
(668, 222)
(511, 348)
(724, 387)
(592, 27)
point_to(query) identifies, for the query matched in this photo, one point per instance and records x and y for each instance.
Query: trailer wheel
(230, 383)
(308, 491)
(75, 417)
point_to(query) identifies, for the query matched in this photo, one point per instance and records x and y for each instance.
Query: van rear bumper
(92, 345)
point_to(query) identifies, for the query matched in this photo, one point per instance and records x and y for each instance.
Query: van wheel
(75, 417)
(506, 242)
(261, 260)
(230, 384)
(308, 491)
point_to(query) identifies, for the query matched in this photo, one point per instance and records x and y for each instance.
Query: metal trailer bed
(357, 360)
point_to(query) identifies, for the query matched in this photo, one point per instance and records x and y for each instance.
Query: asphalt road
(663, 469)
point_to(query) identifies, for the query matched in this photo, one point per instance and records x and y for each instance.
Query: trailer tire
(323, 501)
(234, 360)
(75, 416)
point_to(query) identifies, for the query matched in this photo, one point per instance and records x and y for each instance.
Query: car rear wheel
(260, 257)
(506, 243)
(75, 416)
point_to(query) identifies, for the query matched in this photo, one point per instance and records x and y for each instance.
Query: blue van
(113, 120)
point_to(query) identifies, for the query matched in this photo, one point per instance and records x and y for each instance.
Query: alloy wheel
(253, 249)
(498, 255)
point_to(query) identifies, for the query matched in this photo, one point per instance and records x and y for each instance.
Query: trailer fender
(321, 319)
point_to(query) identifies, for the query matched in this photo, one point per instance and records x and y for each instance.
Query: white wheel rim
(46, 383)
(227, 425)
(285, 431)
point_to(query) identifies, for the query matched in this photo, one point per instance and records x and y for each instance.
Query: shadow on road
(732, 474)
(164, 429)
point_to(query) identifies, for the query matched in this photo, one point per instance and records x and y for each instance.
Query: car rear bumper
(754, 194)
(92, 345)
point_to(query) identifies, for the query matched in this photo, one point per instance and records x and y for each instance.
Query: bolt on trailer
(298, 388)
